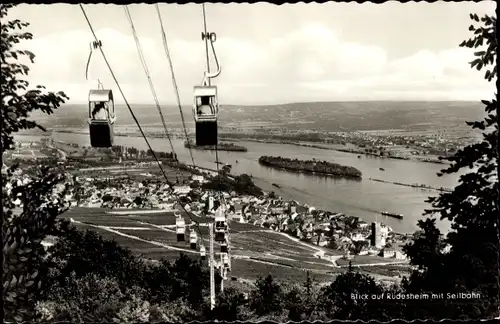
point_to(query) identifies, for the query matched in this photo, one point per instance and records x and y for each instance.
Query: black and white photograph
(250, 162)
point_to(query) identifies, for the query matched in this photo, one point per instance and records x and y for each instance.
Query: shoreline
(213, 172)
(309, 144)
(316, 146)
(418, 186)
(282, 163)
(265, 193)
(228, 147)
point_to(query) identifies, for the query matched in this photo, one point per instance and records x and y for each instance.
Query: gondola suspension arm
(93, 46)
(212, 37)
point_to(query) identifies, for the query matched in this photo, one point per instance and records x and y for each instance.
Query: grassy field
(256, 252)
(365, 259)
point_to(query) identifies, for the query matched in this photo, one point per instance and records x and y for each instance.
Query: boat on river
(276, 185)
(398, 216)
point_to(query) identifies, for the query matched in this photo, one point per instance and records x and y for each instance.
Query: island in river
(221, 147)
(310, 166)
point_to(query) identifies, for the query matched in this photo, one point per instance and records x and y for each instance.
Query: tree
(40, 200)
(472, 207)
(229, 305)
(301, 301)
(190, 280)
(352, 296)
(267, 298)
(79, 253)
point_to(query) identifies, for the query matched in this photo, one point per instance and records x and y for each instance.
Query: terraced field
(255, 251)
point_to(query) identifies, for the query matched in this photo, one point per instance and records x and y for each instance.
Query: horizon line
(284, 103)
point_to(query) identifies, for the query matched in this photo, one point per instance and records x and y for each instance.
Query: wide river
(364, 198)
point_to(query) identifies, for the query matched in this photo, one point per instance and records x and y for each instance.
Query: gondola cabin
(180, 229)
(193, 239)
(220, 228)
(101, 117)
(203, 252)
(225, 260)
(223, 247)
(205, 111)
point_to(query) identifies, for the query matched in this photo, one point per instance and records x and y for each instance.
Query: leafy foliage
(267, 298)
(472, 262)
(230, 305)
(17, 100)
(30, 207)
(241, 184)
(77, 253)
(349, 297)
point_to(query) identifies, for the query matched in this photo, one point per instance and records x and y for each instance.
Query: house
(238, 209)
(387, 253)
(236, 217)
(284, 224)
(358, 237)
(398, 255)
(198, 178)
(182, 189)
(319, 240)
(276, 210)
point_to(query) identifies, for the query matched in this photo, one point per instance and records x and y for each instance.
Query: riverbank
(359, 151)
(230, 147)
(397, 152)
(415, 185)
(324, 192)
(309, 166)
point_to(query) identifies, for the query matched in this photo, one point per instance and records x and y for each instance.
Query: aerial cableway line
(202, 250)
(222, 228)
(123, 95)
(174, 82)
(148, 75)
(180, 224)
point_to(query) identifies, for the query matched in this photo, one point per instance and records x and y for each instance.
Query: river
(364, 198)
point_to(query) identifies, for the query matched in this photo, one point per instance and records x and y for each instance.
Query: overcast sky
(269, 54)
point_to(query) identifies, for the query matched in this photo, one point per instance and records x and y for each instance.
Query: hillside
(321, 116)
(255, 251)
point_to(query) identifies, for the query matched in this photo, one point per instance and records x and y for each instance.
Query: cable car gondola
(101, 117)
(206, 104)
(225, 260)
(193, 239)
(223, 247)
(180, 229)
(203, 253)
(205, 111)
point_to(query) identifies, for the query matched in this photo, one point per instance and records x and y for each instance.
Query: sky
(268, 54)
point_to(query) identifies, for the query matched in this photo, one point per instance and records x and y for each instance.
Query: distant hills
(322, 116)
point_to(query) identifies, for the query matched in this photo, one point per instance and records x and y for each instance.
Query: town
(129, 181)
